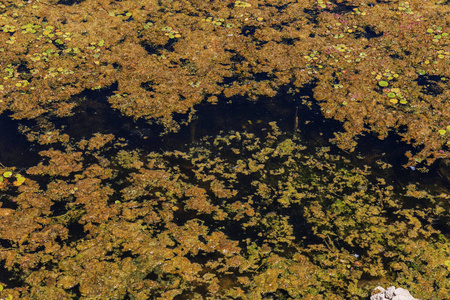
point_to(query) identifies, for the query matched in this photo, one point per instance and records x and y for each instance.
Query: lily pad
(383, 83)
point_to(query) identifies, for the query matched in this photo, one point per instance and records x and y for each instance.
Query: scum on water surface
(115, 208)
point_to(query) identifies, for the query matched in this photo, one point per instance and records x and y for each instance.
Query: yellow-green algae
(239, 216)
(242, 215)
(155, 51)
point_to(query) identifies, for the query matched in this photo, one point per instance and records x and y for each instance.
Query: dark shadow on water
(15, 150)
(391, 150)
(94, 115)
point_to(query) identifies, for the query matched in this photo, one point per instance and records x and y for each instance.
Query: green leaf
(383, 83)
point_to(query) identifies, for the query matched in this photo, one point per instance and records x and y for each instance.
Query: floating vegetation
(126, 45)
(9, 178)
(239, 215)
(242, 4)
(260, 207)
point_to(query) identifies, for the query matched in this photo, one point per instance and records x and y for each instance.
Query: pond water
(224, 150)
(263, 175)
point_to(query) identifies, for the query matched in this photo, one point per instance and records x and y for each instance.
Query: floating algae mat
(239, 215)
(224, 149)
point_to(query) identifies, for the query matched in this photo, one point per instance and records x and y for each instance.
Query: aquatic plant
(239, 215)
(243, 215)
(154, 52)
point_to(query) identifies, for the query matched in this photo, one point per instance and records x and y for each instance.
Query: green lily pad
(383, 83)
